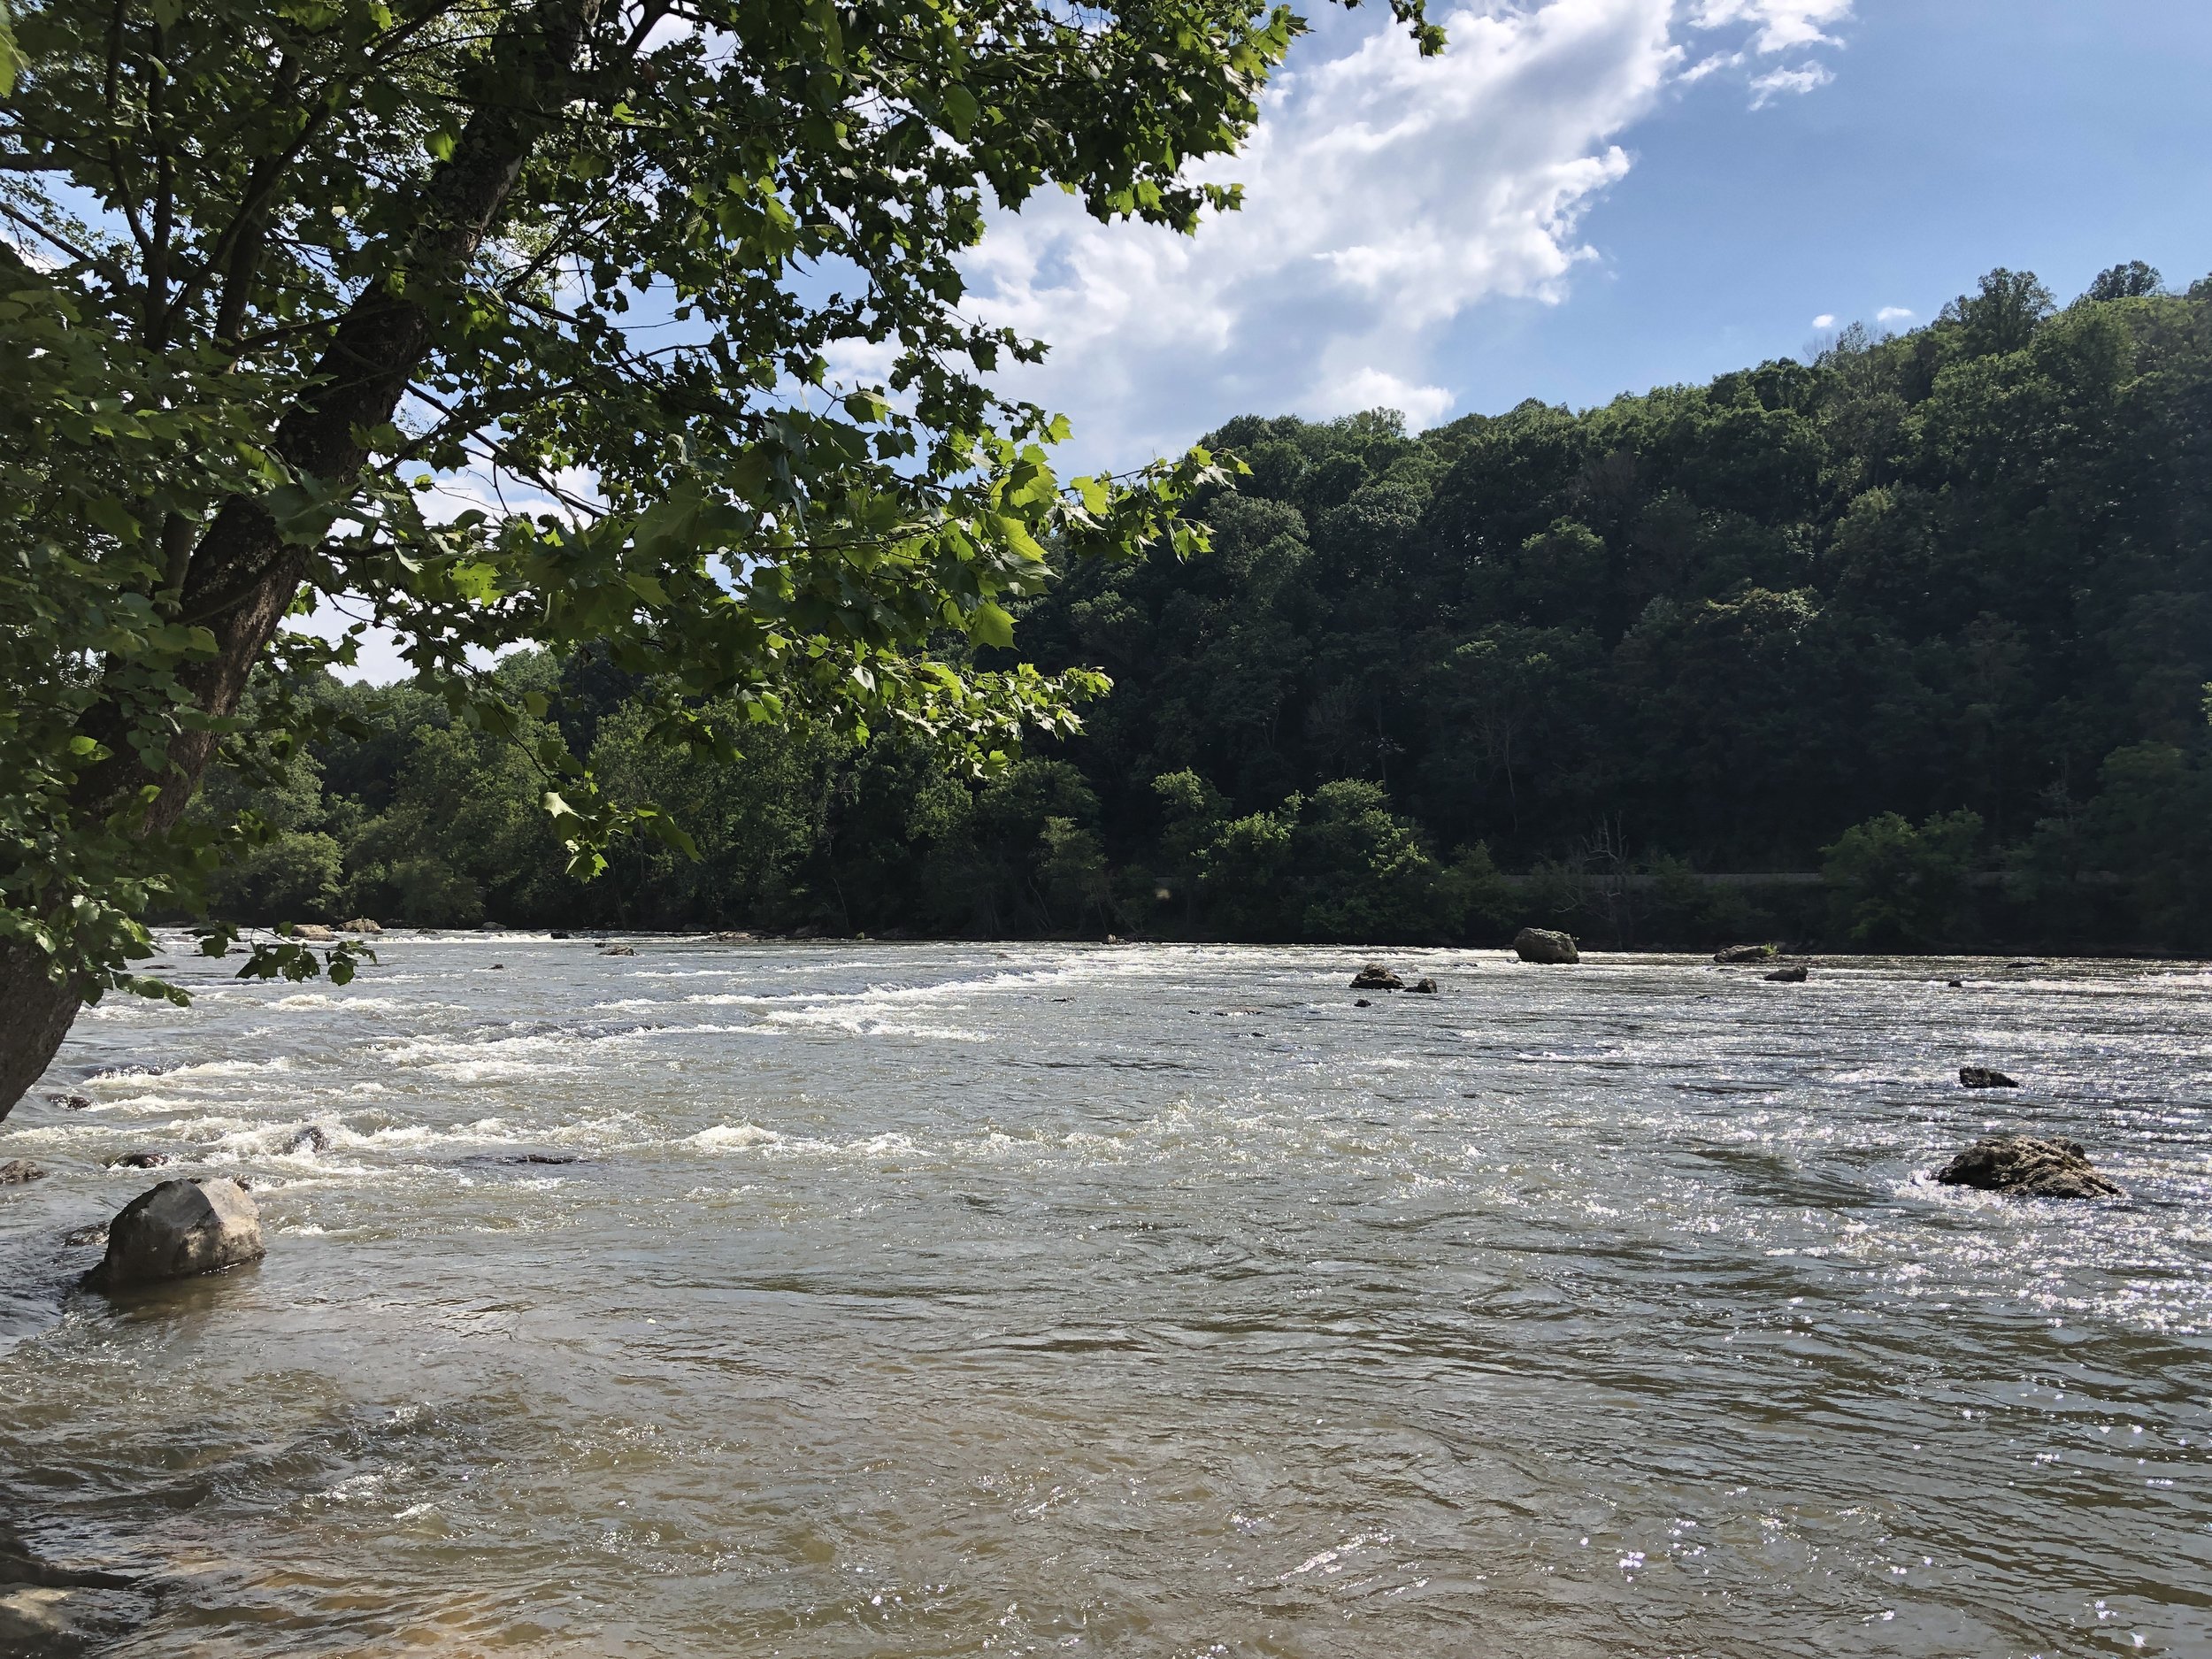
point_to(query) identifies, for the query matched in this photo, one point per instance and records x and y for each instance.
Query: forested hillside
(1930, 615)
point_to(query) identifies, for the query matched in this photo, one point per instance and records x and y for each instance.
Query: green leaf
(988, 625)
(960, 110)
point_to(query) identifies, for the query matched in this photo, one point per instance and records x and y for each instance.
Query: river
(932, 1300)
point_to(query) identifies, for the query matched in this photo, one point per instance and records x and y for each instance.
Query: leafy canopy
(683, 272)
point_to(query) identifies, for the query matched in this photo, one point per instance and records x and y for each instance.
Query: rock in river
(2029, 1167)
(1425, 985)
(1375, 977)
(139, 1161)
(1542, 944)
(1795, 974)
(1985, 1076)
(178, 1229)
(15, 1171)
(1747, 953)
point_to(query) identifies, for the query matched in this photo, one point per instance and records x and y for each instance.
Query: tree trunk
(243, 575)
(34, 1016)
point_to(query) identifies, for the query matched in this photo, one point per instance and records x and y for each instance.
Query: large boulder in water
(2029, 1167)
(1738, 954)
(1983, 1076)
(1375, 977)
(1542, 944)
(178, 1229)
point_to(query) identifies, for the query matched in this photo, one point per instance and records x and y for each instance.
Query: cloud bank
(1384, 196)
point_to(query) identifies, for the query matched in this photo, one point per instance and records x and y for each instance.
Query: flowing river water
(920, 1299)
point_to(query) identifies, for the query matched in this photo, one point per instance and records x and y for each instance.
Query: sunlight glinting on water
(917, 1300)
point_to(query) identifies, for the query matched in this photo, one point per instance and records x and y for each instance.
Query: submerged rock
(618, 950)
(2029, 1167)
(1375, 977)
(178, 1229)
(1795, 974)
(1424, 986)
(53, 1619)
(1542, 944)
(310, 1138)
(139, 1161)
(16, 1171)
(1747, 953)
(1361, 1002)
(97, 1233)
(71, 1102)
(1985, 1076)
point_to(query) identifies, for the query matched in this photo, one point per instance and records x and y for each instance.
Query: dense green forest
(1926, 622)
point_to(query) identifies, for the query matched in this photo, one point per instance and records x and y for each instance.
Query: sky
(1584, 198)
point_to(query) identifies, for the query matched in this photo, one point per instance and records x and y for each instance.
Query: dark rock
(311, 1138)
(1956, 985)
(1361, 1002)
(1424, 986)
(178, 1229)
(545, 1157)
(1983, 1077)
(2030, 1168)
(139, 1161)
(73, 1102)
(2027, 961)
(97, 1233)
(1542, 944)
(50, 1620)
(16, 1171)
(1375, 977)
(499, 967)
(1792, 975)
(1747, 953)
(558, 933)
(619, 951)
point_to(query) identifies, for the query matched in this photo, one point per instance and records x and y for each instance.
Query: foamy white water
(921, 1300)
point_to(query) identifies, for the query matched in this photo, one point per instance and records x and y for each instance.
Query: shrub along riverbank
(1926, 622)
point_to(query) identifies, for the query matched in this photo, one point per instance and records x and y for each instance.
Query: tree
(1898, 885)
(281, 264)
(2001, 314)
(2133, 281)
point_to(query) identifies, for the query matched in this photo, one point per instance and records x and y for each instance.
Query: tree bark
(243, 576)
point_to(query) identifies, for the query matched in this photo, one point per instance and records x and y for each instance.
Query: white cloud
(1783, 26)
(1894, 314)
(1827, 319)
(1767, 87)
(1385, 195)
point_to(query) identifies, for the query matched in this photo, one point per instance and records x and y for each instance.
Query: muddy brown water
(931, 1300)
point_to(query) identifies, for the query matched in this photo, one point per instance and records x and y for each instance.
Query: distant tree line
(1930, 616)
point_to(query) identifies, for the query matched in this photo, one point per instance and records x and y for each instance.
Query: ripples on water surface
(932, 1299)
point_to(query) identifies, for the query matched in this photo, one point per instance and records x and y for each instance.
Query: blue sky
(1589, 196)
(2059, 136)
